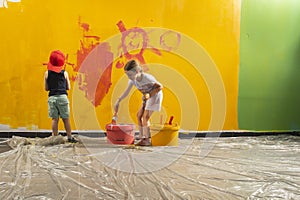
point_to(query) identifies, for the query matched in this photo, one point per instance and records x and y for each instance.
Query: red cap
(56, 61)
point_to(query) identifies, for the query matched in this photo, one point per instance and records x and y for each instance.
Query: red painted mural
(95, 59)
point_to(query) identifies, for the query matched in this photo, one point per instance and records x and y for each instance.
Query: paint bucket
(120, 133)
(164, 134)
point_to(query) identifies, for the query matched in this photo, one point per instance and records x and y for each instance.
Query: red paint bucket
(120, 133)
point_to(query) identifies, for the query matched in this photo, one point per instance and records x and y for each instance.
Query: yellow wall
(200, 75)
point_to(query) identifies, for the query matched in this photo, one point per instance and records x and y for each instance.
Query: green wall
(269, 76)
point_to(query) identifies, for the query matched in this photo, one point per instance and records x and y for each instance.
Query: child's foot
(137, 138)
(72, 140)
(144, 142)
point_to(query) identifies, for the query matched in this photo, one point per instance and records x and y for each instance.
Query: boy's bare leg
(68, 130)
(146, 127)
(67, 127)
(54, 126)
(140, 132)
(140, 122)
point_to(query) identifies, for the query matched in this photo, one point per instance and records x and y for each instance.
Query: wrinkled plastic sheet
(266, 167)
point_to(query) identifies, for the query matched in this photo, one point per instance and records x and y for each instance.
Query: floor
(263, 167)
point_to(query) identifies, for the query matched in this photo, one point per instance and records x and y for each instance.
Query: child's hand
(114, 119)
(146, 96)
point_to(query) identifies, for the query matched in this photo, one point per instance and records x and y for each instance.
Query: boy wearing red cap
(57, 83)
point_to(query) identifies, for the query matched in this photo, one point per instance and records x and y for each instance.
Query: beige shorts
(154, 102)
(58, 106)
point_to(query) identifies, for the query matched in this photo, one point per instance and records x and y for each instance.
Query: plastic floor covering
(264, 167)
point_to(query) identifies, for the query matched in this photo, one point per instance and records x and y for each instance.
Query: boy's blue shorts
(58, 106)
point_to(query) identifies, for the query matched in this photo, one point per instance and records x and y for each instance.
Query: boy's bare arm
(45, 81)
(68, 80)
(126, 92)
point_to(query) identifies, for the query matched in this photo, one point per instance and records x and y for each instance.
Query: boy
(57, 83)
(151, 101)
